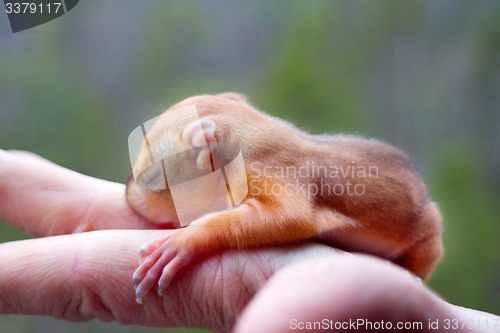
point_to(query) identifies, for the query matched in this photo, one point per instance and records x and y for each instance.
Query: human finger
(42, 198)
(353, 293)
(84, 276)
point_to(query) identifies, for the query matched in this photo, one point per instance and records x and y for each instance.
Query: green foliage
(471, 230)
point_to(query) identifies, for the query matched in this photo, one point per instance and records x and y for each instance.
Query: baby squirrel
(351, 193)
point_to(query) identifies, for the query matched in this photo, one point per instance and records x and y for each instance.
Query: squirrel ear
(198, 133)
(234, 96)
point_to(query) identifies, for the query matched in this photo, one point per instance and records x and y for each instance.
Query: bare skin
(79, 277)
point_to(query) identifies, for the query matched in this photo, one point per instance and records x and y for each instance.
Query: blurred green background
(421, 75)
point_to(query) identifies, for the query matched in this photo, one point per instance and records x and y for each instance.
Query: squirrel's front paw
(160, 261)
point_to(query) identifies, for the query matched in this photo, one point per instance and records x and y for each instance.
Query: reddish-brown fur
(393, 218)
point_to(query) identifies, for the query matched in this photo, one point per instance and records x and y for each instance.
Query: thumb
(353, 293)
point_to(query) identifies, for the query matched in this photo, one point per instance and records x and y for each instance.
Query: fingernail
(140, 256)
(139, 297)
(161, 290)
(135, 279)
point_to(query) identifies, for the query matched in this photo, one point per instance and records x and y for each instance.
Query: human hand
(83, 276)
(88, 275)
